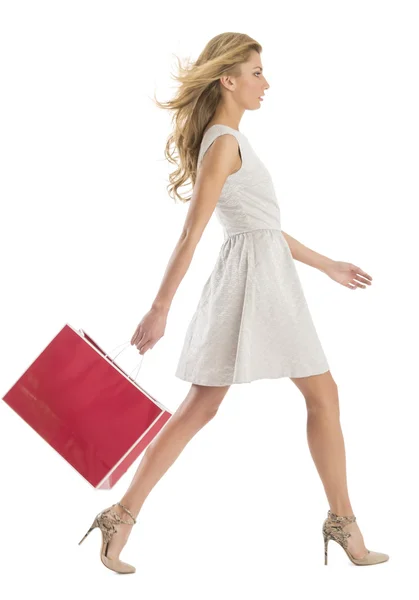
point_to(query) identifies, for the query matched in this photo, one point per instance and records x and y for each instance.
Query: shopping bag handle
(126, 346)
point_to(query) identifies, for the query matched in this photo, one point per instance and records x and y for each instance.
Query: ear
(227, 81)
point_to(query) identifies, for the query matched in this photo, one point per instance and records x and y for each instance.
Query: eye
(258, 73)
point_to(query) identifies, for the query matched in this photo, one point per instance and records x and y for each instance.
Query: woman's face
(251, 84)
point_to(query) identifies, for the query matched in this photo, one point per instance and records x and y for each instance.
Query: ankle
(342, 510)
(129, 505)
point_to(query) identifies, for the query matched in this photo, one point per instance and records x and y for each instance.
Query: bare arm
(220, 160)
(306, 255)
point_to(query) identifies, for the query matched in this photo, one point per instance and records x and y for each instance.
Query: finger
(363, 279)
(350, 286)
(136, 335)
(359, 283)
(135, 339)
(144, 348)
(141, 341)
(361, 272)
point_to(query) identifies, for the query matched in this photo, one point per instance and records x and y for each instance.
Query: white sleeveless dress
(252, 320)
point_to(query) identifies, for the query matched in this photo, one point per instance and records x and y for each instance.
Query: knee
(204, 412)
(324, 402)
(203, 407)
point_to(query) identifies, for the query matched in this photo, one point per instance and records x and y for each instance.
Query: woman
(252, 320)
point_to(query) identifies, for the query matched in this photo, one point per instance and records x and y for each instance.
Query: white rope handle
(125, 344)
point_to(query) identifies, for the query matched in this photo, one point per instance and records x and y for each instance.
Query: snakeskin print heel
(106, 521)
(333, 530)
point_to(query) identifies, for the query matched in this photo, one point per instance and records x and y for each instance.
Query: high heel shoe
(333, 530)
(106, 521)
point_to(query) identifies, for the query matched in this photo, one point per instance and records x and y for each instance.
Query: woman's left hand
(348, 274)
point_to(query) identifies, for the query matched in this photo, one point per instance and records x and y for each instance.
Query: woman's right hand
(150, 329)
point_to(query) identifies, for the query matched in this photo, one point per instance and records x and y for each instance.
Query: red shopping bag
(87, 408)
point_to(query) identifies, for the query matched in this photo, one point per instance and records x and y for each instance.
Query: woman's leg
(327, 448)
(199, 407)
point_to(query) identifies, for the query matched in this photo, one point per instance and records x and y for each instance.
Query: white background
(87, 231)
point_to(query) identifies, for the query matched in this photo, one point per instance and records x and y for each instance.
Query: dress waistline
(228, 236)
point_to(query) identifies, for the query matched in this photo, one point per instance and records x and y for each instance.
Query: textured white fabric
(252, 320)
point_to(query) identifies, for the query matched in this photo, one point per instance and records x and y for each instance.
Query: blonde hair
(196, 100)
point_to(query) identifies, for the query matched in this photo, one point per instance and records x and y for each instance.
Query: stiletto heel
(94, 524)
(333, 530)
(326, 540)
(106, 521)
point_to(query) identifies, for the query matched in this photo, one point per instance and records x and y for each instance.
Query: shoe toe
(373, 558)
(379, 556)
(126, 568)
(118, 565)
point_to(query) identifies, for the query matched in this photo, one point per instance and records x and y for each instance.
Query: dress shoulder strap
(211, 135)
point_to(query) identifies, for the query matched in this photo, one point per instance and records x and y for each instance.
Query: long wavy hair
(196, 100)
